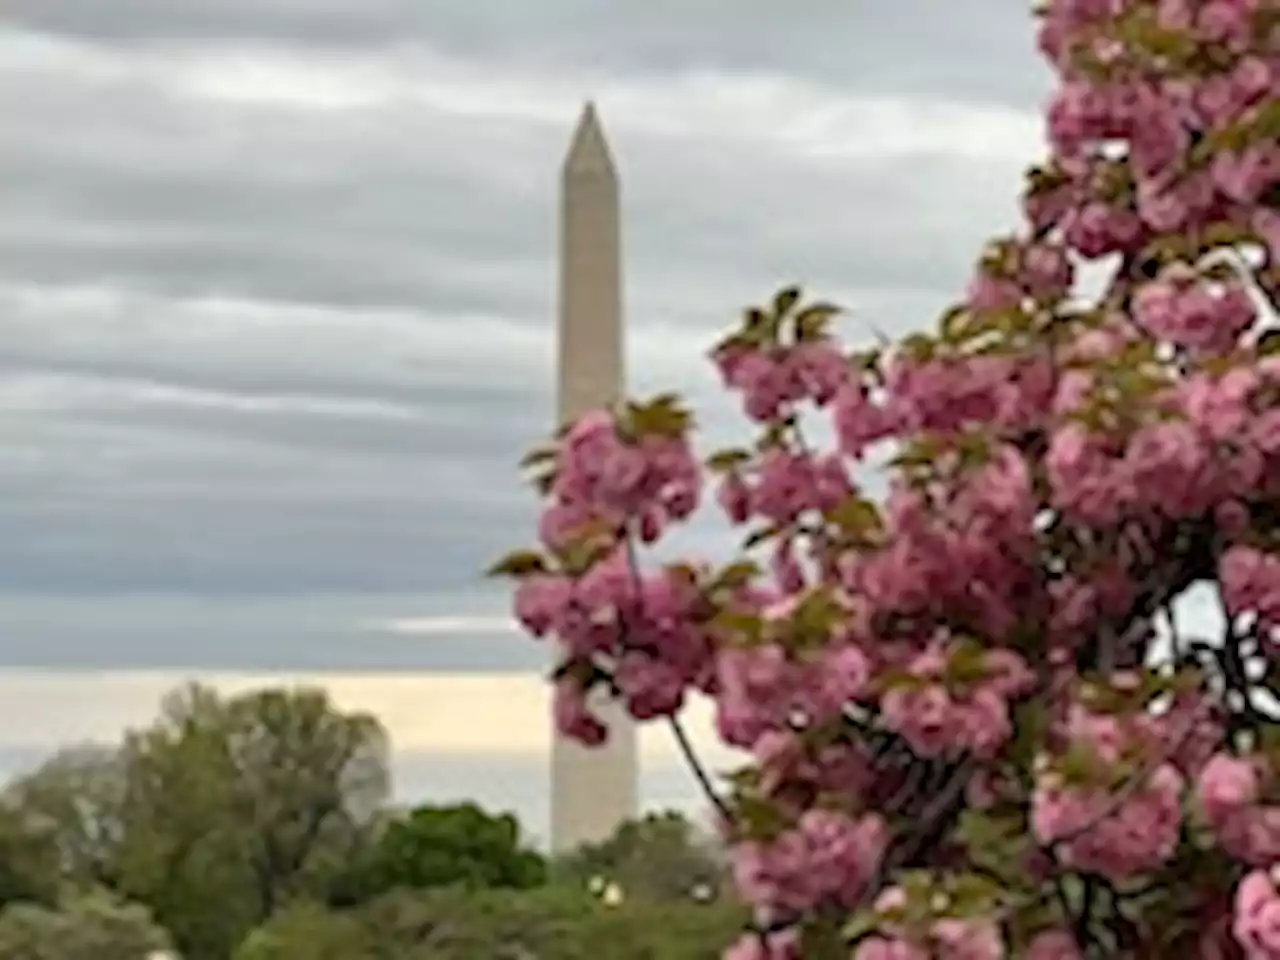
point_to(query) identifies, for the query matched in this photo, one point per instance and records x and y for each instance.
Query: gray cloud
(915, 46)
(276, 280)
(183, 632)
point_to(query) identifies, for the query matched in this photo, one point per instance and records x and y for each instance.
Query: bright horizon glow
(473, 716)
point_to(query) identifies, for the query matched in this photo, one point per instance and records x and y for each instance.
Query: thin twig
(695, 765)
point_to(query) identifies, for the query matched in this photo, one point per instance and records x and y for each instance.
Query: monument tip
(588, 149)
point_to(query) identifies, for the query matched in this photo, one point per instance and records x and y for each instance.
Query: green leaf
(518, 563)
(856, 515)
(919, 347)
(822, 938)
(539, 455)
(864, 361)
(894, 679)
(861, 925)
(1269, 343)
(754, 321)
(543, 482)
(684, 571)
(953, 323)
(743, 628)
(973, 894)
(966, 665)
(784, 300)
(761, 536)
(813, 619)
(727, 460)
(1031, 723)
(737, 574)
(663, 416)
(1080, 765)
(814, 321)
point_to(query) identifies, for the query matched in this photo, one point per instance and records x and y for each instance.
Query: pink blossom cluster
(1078, 813)
(1231, 794)
(1251, 583)
(763, 689)
(949, 937)
(771, 381)
(1257, 916)
(939, 718)
(605, 477)
(931, 931)
(1092, 829)
(976, 677)
(1184, 308)
(827, 858)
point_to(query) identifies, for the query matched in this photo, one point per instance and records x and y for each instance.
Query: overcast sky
(277, 296)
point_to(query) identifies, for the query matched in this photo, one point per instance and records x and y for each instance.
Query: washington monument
(592, 791)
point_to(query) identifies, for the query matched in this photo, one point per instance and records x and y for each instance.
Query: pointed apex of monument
(588, 150)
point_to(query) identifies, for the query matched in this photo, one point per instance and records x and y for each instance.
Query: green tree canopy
(29, 868)
(438, 846)
(244, 802)
(661, 856)
(92, 926)
(74, 802)
(547, 923)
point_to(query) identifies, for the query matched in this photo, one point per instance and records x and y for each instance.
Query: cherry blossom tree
(978, 724)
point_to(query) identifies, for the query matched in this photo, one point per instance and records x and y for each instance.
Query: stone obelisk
(592, 790)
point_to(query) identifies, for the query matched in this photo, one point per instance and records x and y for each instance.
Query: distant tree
(93, 926)
(245, 803)
(29, 868)
(438, 846)
(73, 802)
(545, 923)
(661, 856)
(308, 931)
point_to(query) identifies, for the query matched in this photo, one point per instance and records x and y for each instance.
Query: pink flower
(1169, 467)
(754, 687)
(1194, 314)
(734, 498)
(650, 687)
(1053, 945)
(827, 855)
(821, 368)
(541, 601)
(886, 948)
(573, 718)
(968, 939)
(859, 422)
(924, 718)
(1086, 481)
(1257, 920)
(1227, 785)
(785, 487)
(1250, 581)
(842, 675)
(1118, 837)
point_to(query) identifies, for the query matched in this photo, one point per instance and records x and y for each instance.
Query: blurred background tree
(439, 846)
(89, 926)
(257, 827)
(661, 856)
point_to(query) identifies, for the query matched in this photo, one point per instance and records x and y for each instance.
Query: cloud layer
(276, 280)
